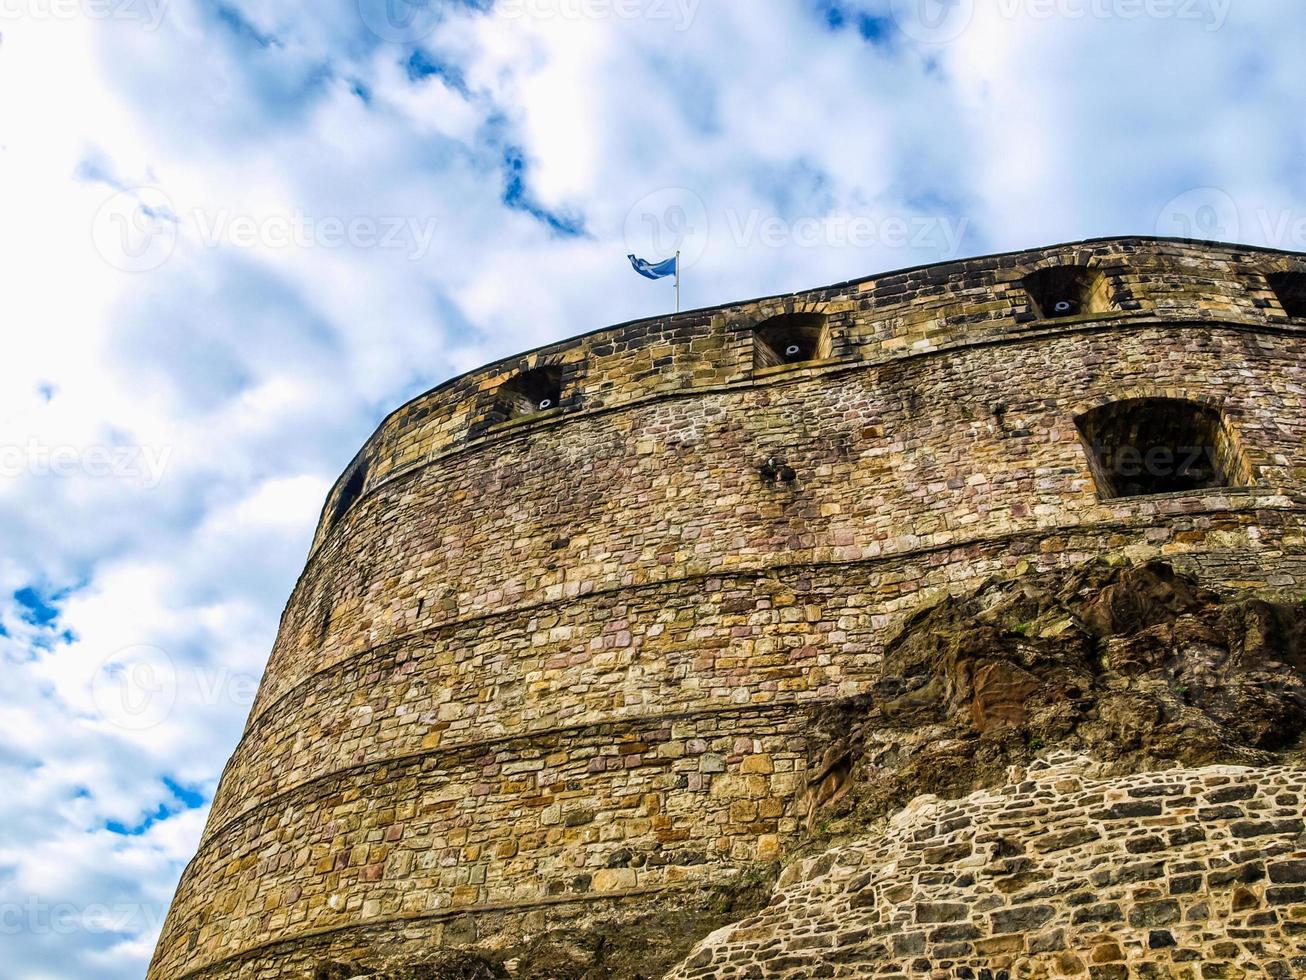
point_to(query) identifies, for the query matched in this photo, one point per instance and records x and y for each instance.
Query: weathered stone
(1287, 872)
(1024, 919)
(1128, 922)
(708, 608)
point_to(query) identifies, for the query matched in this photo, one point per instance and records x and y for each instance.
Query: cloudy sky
(235, 233)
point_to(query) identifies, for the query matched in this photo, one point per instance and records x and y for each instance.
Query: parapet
(895, 315)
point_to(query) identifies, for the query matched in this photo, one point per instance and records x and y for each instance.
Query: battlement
(896, 315)
(571, 621)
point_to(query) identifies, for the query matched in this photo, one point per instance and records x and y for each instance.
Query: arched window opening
(1143, 446)
(1067, 290)
(1290, 288)
(791, 338)
(349, 493)
(530, 392)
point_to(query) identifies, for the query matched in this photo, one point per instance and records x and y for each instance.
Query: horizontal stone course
(455, 542)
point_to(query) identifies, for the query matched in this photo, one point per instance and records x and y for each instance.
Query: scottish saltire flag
(650, 271)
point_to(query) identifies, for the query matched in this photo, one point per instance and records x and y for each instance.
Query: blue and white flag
(650, 271)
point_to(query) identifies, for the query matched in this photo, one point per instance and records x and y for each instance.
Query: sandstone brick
(524, 643)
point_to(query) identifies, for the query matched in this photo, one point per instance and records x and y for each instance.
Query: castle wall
(575, 657)
(1184, 873)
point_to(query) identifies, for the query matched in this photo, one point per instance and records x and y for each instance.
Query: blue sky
(235, 234)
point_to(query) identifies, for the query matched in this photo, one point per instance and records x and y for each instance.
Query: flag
(650, 271)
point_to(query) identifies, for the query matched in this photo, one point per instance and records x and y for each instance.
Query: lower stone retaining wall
(1186, 873)
(657, 931)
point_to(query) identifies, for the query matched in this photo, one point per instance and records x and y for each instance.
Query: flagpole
(677, 280)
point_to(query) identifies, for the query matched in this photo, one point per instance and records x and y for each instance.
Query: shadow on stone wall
(1135, 666)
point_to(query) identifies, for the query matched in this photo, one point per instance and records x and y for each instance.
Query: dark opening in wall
(790, 339)
(1290, 288)
(349, 493)
(1143, 446)
(530, 392)
(1067, 290)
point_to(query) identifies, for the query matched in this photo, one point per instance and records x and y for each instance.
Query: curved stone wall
(570, 658)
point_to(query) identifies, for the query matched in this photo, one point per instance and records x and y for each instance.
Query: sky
(234, 234)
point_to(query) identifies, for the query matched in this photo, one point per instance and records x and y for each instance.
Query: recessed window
(1067, 290)
(530, 392)
(791, 338)
(1143, 446)
(349, 493)
(1290, 288)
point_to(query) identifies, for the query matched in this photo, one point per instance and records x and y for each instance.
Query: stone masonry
(568, 620)
(1185, 873)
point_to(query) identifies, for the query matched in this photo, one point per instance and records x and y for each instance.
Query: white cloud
(243, 372)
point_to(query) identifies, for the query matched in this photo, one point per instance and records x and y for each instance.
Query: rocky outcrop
(1133, 665)
(449, 965)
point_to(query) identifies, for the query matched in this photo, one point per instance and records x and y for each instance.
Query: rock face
(452, 965)
(1136, 666)
(1182, 873)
